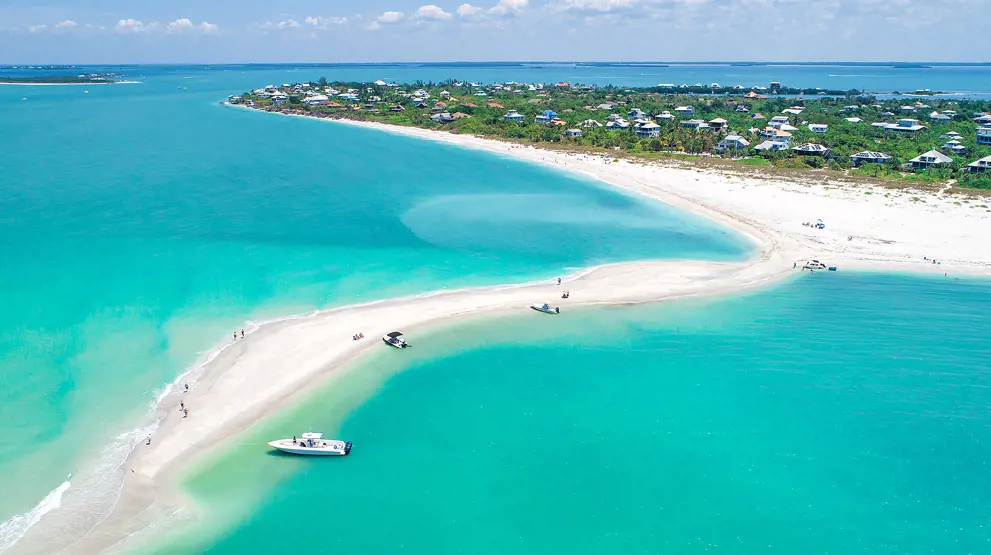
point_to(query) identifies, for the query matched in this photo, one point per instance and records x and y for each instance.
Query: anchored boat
(312, 443)
(546, 308)
(395, 339)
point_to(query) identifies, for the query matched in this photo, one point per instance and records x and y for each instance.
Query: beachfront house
(317, 100)
(685, 110)
(513, 116)
(443, 117)
(776, 135)
(870, 157)
(984, 119)
(780, 120)
(984, 135)
(279, 99)
(811, 149)
(904, 125)
(732, 143)
(618, 123)
(589, 124)
(547, 116)
(940, 118)
(649, 130)
(771, 146)
(818, 127)
(929, 160)
(664, 117)
(718, 123)
(572, 133)
(980, 166)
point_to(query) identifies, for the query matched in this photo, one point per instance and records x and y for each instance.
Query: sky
(213, 31)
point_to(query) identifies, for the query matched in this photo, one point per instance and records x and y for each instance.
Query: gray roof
(934, 157)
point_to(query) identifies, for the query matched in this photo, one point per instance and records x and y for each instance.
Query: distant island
(924, 139)
(100, 79)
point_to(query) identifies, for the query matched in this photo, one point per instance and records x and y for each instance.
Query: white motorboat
(312, 443)
(546, 308)
(395, 339)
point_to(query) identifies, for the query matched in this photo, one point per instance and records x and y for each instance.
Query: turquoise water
(840, 413)
(141, 224)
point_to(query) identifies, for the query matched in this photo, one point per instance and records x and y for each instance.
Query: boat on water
(395, 339)
(814, 265)
(546, 308)
(312, 443)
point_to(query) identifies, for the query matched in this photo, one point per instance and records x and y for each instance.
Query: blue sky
(152, 31)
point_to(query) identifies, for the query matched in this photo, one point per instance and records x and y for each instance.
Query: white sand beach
(866, 228)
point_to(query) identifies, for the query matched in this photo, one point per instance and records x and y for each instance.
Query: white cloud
(509, 7)
(95, 27)
(467, 10)
(432, 12)
(67, 24)
(318, 22)
(184, 25)
(390, 17)
(132, 26)
(602, 6)
(287, 24)
(37, 28)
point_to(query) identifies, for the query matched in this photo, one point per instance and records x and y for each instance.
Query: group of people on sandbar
(242, 334)
(357, 336)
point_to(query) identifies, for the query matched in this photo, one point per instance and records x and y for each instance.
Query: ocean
(140, 225)
(832, 413)
(143, 224)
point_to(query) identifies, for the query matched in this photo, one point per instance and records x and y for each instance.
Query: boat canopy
(394, 334)
(312, 435)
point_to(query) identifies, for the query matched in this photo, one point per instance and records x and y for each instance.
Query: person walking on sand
(242, 333)
(148, 441)
(559, 281)
(187, 388)
(182, 406)
(185, 413)
(235, 336)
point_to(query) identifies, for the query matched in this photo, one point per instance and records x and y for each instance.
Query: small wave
(14, 528)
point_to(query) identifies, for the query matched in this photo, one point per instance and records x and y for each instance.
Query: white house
(929, 160)
(741, 109)
(618, 123)
(513, 116)
(954, 146)
(854, 120)
(983, 120)
(776, 135)
(573, 133)
(717, 123)
(732, 142)
(818, 127)
(317, 100)
(795, 110)
(279, 98)
(938, 117)
(665, 116)
(695, 124)
(905, 125)
(636, 113)
(589, 123)
(980, 166)
(649, 130)
(771, 146)
(870, 157)
(685, 110)
(780, 119)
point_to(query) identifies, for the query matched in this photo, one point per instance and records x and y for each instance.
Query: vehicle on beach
(546, 308)
(312, 443)
(395, 339)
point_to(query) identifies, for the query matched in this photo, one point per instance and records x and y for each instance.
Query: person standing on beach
(185, 413)
(187, 388)
(242, 333)
(235, 336)
(182, 406)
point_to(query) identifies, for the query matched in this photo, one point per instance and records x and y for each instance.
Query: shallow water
(836, 413)
(141, 224)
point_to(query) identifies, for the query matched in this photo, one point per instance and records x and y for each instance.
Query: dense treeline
(574, 105)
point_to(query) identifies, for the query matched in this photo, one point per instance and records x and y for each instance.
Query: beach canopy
(394, 334)
(312, 435)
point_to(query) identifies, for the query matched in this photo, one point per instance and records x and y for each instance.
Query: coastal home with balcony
(983, 119)
(696, 124)
(685, 110)
(665, 117)
(718, 123)
(980, 166)
(513, 116)
(870, 157)
(732, 143)
(443, 117)
(618, 123)
(929, 159)
(780, 120)
(905, 125)
(649, 130)
(984, 135)
(954, 146)
(317, 100)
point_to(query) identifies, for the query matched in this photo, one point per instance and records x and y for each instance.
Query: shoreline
(238, 387)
